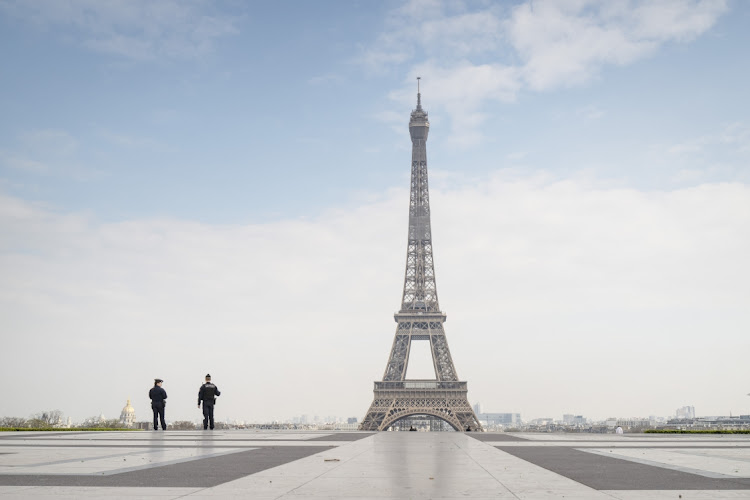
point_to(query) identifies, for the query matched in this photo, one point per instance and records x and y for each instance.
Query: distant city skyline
(191, 188)
(129, 415)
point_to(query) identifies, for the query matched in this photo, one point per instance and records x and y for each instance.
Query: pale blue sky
(248, 112)
(180, 172)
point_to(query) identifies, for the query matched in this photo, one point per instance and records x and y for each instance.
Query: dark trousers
(208, 414)
(159, 415)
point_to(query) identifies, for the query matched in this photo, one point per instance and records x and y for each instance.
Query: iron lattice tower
(420, 318)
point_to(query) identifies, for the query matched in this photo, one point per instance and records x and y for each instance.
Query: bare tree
(49, 418)
(13, 422)
(98, 423)
(113, 423)
(182, 425)
(90, 422)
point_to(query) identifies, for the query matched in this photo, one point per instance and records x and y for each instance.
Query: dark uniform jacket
(157, 395)
(207, 393)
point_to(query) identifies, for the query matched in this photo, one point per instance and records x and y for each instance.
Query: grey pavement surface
(295, 465)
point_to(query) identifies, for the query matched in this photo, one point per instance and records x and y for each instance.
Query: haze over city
(190, 187)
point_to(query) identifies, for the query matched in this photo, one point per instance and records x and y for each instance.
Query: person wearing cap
(207, 395)
(158, 396)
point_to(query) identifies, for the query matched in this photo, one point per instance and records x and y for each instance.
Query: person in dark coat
(207, 395)
(158, 401)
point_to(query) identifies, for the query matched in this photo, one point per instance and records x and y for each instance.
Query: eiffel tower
(420, 318)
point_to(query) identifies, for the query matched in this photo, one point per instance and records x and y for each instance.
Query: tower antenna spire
(419, 96)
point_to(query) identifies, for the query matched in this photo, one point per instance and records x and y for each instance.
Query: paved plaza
(404, 465)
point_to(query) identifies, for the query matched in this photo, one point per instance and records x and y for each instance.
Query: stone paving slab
(672, 495)
(199, 472)
(11, 449)
(604, 472)
(617, 444)
(716, 463)
(294, 465)
(101, 461)
(488, 437)
(68, 492)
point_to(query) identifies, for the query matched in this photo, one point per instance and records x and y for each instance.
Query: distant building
(569, 419)
(61, 423)
(542, 421)
(629, 423)
(496, 419)
(477, 409)
(127, 415)
(735, 422)
(686, 412)
(351, 420)
(731, 422)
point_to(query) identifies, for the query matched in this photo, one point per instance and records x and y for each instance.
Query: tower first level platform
(394, 401)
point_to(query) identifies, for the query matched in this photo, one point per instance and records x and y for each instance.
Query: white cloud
(443, 30)
(461, 90)
(327, 79)
(137, 30)
(735, 135)
(675, 19)
(516, 156)
(21, 163)
(591, 112)
(593, 287)
(49, 142)
(132, 141)
(47, 152)
(565, 43)
(721, 154)
(490, 53)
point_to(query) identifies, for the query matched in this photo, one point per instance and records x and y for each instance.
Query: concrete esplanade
(408, 465)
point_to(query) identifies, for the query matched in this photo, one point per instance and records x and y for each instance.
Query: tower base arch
(394, 401)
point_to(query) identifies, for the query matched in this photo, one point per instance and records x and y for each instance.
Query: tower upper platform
(419, 126)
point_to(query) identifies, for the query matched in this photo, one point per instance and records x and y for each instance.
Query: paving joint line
(71, 460)
(332, 469)
(488, 472)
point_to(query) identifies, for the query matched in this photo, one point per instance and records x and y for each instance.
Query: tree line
(54, 419)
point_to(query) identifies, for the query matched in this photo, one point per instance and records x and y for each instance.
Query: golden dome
(128, 409)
